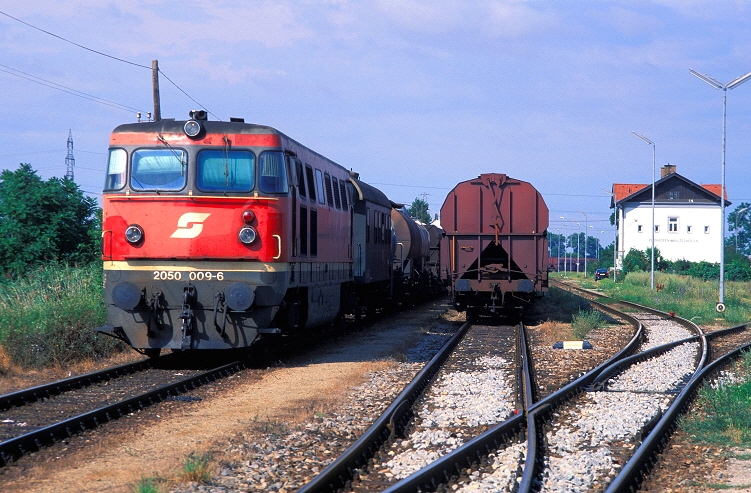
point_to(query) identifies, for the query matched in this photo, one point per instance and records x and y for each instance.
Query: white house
(687, 218)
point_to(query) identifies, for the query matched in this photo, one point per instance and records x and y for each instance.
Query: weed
(148, 485)
(585, 321)
(197, 468)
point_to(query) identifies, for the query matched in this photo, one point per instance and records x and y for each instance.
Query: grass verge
(48, 317)
(725, 408)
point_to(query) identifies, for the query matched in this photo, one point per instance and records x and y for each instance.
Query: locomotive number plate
(198, 275)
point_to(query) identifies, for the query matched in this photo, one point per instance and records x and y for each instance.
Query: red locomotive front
(208, 239)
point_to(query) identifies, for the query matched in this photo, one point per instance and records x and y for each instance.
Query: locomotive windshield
(225, 170)
(118, 161)
(158, 169)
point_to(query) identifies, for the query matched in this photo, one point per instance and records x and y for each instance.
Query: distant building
(688, 218)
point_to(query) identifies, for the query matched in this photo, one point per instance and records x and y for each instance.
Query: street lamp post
(578, 245)
(585, 241)
(724, 87)
(565, 267)
(738, 213)
(646, 140)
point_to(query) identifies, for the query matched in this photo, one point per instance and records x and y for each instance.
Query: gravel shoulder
(156, 441)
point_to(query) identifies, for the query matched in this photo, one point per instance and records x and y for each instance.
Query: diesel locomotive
(218, 234)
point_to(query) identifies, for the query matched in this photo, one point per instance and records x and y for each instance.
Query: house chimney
(666, 170)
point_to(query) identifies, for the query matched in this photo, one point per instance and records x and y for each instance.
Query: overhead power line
(105, 55)
(69, 90)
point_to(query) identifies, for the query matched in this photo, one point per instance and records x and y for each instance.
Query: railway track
(602, 431)
(33, 418)
(425, 422)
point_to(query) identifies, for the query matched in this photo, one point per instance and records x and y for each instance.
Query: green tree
(636, 260)
(44, 221)
(739, 221)
(419, 210)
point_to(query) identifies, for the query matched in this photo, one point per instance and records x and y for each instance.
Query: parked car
(601, 274)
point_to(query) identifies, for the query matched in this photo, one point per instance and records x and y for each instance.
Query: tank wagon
(219, 234)
(494, 252)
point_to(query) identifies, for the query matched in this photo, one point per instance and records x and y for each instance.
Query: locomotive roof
(172, 126)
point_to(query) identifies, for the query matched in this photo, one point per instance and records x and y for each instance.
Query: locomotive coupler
(186, 315)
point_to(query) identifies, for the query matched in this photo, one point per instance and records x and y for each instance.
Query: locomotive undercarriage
(192, 313)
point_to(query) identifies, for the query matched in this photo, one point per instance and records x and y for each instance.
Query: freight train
(494, 250)
(219, 234)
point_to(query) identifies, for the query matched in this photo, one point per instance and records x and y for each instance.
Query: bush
(49, 316)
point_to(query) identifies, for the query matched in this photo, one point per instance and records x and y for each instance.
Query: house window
(706, 230)
(673, 195)
(688, 229)
(657, 228)
(672, 225)
(638, 228)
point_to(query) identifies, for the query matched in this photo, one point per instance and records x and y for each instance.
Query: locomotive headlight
(134, 234)
(192, 128)
(248, 216)
(247, 235)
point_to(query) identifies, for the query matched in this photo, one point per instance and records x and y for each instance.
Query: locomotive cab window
(158, 169)
(273, 172)
(116, 165)
(225, 170)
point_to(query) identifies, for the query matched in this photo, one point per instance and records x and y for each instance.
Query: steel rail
(17, 447)
(645, 456)
(451, 465)
(543, 410)
(391, 422)
(27, 396)
(442, 470)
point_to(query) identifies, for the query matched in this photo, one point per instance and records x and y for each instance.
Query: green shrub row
(48, 316)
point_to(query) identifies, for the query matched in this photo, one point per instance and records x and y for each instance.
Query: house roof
(624, 191)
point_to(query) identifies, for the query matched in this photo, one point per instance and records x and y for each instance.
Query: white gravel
(580, 439)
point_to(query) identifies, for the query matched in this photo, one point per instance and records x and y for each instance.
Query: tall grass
(687, 296)
(725, 409)
(48, 317)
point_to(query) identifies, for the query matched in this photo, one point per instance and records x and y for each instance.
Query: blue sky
(415, 95)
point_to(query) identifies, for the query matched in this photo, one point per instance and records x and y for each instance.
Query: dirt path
(160, 442)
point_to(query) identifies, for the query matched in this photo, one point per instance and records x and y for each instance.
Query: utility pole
(155, 88)
(70, 161)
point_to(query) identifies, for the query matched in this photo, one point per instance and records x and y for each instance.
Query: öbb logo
(190, 225)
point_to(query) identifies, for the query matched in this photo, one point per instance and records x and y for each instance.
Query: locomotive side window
(335, 184)
(303, 230)
(225, 170)
(118, 161)
(273, 175)
(300, 178)
(329, 195)
(158, 169)
(313, 232)
(311, 182)
(319, 187)
(343, 191)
